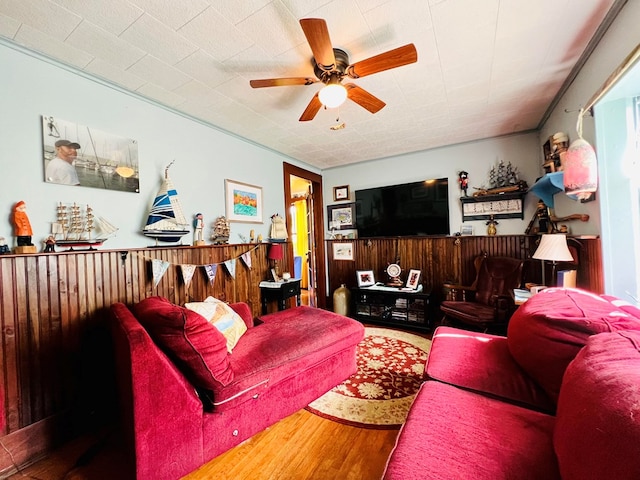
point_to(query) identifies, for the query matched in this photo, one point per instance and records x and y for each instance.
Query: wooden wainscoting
(55, 357)
(450, 259)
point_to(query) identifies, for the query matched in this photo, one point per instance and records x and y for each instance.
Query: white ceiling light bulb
(333, 95)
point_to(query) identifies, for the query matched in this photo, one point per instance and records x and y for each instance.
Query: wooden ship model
(221, 231)
(79, 227)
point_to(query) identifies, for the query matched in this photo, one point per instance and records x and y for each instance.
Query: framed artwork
(341, 193)
(80, 155)
(413, 280)
(365, 278)
(343, 251)
(504, 205)
(342, 217)
(466, 230)
(243, 202)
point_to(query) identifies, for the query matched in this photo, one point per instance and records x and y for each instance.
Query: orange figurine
(22, 225)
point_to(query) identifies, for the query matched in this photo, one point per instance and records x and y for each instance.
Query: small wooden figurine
(23, 231)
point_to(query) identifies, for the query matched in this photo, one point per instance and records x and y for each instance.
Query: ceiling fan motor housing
(342, 62)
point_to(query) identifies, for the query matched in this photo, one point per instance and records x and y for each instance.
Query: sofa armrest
(243, 309)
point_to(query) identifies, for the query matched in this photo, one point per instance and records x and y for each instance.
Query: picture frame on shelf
(413, 279)
(343, 251)
(365, 278)
(341, 216)
(341, 193)
(243, 202)
(466, 230)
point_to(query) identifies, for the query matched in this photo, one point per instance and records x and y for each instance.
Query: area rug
(391, 367)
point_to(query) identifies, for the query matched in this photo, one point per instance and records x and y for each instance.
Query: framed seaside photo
(343, 251)
(341, 193)
(243, 202)
(80, 155)
(365, 278)
(342, 216)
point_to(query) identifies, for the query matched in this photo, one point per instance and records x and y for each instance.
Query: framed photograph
(365, 278)
(466, 230)
(83, 156)
(342, 217)
(413, 279)
(243, 202)
(341, 193)
(343, 251)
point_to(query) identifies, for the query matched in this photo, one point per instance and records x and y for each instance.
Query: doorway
(305, 219)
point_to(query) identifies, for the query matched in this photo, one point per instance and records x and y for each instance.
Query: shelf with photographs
(400, 308)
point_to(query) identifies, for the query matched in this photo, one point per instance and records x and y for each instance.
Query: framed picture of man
(79, 155)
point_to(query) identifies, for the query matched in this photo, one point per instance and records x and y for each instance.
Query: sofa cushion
(193, 344)
(482, 363)
(453, 433)
(597, 432)
(221, 316)
(289, 343)
(547, 331)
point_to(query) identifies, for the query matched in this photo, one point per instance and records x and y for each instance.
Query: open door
(315, 268)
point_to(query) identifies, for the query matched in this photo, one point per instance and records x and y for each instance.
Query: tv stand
(393, 307)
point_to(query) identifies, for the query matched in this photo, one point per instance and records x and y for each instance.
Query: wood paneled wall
(55, 356)
(450, 259)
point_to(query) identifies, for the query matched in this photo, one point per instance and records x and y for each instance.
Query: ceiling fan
(331, 65)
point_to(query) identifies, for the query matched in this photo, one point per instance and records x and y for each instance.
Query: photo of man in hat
(60, 168)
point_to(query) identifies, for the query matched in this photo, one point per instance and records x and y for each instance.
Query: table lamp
(553, 247)
(275, 253)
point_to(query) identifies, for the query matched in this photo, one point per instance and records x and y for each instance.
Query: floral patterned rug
(391, 367)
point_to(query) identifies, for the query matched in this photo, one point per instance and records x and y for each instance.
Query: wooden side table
(280, 291)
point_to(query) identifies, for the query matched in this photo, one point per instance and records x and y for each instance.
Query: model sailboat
(166, 221)
(78, 227)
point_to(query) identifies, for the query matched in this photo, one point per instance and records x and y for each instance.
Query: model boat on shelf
(221, 231)
(166, 221)
(79, 227)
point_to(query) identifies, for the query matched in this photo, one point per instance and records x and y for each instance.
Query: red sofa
(557, 398)
(191, 400)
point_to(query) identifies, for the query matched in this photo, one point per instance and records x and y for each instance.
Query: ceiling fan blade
(393, 58)
(312, 109)
(315, 29)
(281, 82)
(364, 98)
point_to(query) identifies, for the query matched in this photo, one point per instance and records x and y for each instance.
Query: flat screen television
(410, 209)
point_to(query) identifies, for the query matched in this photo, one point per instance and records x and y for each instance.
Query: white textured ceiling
(485, 67)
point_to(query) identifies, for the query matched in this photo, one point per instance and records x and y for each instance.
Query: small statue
(491, 226)
(49, 244)
(198, 225)
(463, 179)
(22, 225)
(4, 248)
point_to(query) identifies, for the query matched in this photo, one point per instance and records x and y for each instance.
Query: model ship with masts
(79, 227)
(221, 231)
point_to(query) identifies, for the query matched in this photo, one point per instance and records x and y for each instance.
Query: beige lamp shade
(553, 247)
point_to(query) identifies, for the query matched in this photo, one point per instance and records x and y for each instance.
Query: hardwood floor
(302, 446)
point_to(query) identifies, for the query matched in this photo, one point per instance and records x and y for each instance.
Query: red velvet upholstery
(169, 431)
(449, 435)
(482, 363)
(597, 434)
(549, 329)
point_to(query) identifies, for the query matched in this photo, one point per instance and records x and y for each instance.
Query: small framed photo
(413, 279)
(343, 251)
(341, 193)
(342, 217)
(466, 230)
(365, 278)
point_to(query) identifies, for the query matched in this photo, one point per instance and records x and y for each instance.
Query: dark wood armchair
(486, 304)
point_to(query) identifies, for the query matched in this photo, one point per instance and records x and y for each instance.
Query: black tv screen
(410, 209)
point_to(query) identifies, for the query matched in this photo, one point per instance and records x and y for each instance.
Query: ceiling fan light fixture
(333, 95)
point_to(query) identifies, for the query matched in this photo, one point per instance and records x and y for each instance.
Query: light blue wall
(30, 87)
(476, 158)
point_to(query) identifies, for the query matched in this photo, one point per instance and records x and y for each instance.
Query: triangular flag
(246, 258)
(231, 267)
(211, 272)
(187, 273)
(159, 267)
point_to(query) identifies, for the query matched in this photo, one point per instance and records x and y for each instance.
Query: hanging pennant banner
(231, 267)
(211, 272)
(187, 273)
(246, 258)
(159, 267)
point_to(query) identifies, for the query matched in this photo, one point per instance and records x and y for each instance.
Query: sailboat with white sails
(166, 221)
